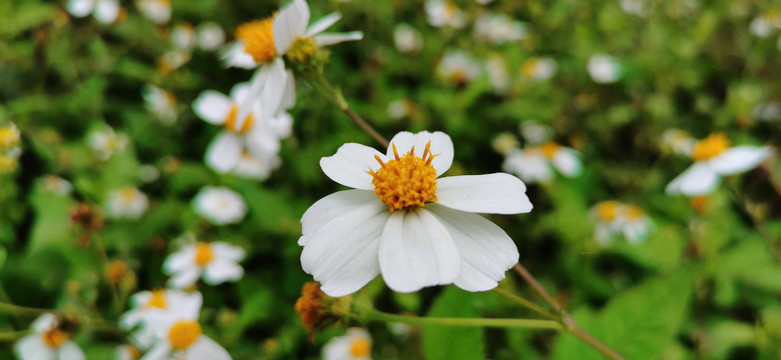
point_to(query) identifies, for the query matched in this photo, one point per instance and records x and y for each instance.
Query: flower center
(529, 67)
(710, 147)
(55, 337)
(360, 348)
(183, 334)
(302, 50)
(157, 300)
(128, 195)
(458, 76)
(549, 149)
(9, 137)
(203, 254)
(406, 182)
(230, 122)
(258, 37)
(634, 212)
(606, 210)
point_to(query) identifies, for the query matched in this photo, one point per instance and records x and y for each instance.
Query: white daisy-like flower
(172, 60)
(767, 111)
(636, 7)
(220, 205)
(10, 137)
(105, 11)
(459, 67)
(713, 158)
(505, 143)
(47, 341)
(217, 262)
(400, 108)
(253, 167)
(148, 173)
(496, 67)
(445, 13)
(407, 38)
(498, 29)
(160, 102)
(260, 131)
(761, 26)
(127, 352)
(159, 11)
(126, 203)
(56, 185)
(356, 344)
(604, 69)
(183, 36)
(106, 142)
(403, 222)
(539, 68)
(536, 163)
(636, 224)
(679, 141)
(535, 133)
(612, 218)
(148, 306)
(210, 36)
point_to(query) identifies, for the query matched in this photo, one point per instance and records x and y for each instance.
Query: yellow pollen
(302, 50)
(634, 212)
(55, 338)
(9, 137)
(458, 77)
(230, 122)
(360, 348)
(134, 353)
(258, 37)
(128, 194)
(406, 182)
(157, 300)
(529, 67)
(549, 149)
(606, 210)
(183, 334)
(203, 254)
(710, 147)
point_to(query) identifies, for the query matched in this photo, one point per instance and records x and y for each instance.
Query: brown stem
(366, 127)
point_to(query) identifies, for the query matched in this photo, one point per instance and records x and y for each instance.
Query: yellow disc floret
(183, 334)
(9, 137)
(258, 38)
(710, 147)
(634, 212)
(360, 347)
(54, 337)
(157, 300)
(302, 50)
(406, 182)
(230, 122)
(549, 149)
(203, 254)
(607, 210)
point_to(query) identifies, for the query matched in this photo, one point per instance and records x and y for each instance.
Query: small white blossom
(604, 68)
(161, 103)
(220, 205)
(216, 262)
(57, 185)
(126, 203)
(159, 11)
(445, 13)
(498, 29)
(210, 36)
(355, 345)
(47, 341)
(612, 218)
(407, 38)
(539, 68)
(459, 67)
(149, 306)
(105, 11)
(106, 142)
(536, 163)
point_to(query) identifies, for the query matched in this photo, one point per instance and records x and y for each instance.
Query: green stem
(24, 310)
(525, 303)
(11, 336)
(104, 257)
(467, 322)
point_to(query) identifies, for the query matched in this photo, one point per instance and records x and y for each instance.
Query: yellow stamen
(9, 137)
(634, 212)
(302, 50)
(406, 182)
(55, 338)
(157, 300)
(203, 254)
(606, 210)
(115, 271)
(710, 147)
(549, 149)
(183, 334)
(360, 347)
(458, 77)
(258, 37)
(529, 67)
(230, 122)
(128, 195)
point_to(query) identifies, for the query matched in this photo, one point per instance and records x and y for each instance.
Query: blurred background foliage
(706, 283)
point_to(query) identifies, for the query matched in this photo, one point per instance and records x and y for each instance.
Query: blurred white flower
(535, 163)
(148, 173)
(57, 185)
(635, 7)
(604, 68)
(217, 262)
(504, 143)
(612, 218)
(535, 133)
(714, 158)
(539, 68)
(459, 67)
(160, 102)
(105, 11)
(183, 36)
(445, 13)
(403, 222)
(484, 2)
(496, 68)
(127, 352)
(106, 142)
(220, 205)
(253, 167)
(407, 38)
(355, 345)
(769, 111)
(159, 11)
(400, 108)
(47, 342)
(10, 137)
(126, 203)
(210, 36)
(149, 306)
(498, 29)
(172, 60)
(678, 141)
(761, 26)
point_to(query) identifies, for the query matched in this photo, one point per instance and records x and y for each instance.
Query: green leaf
(438, 342)
(52, 226)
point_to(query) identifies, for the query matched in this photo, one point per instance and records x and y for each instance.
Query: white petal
(337, 349)
(281, 125)
(234, 55)
(486, 250)
(336, 38)
(179, 260)
(441, 146)
(79, 8)
(416, 250)
(271, 96)
(603, 233)
(350, 165)
(330, 207)
(290, 24)
(69, 350)
(213, 107)
(106, 11)
(224, 152)
(184, 278)
(159, 352)
(739, 159)
(529, 166)
(262, 143)
(44, 323)
(324, 23)
(206, 349)
(220, 271)
(32, 347)
(289, 97)
(698, 179)
(228, 251)
(497, 193)
(567, 162)
(342, 253)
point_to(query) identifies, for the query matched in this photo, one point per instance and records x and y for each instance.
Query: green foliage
(454, 342)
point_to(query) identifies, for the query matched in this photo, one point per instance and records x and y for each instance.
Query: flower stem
(11, 336)
(467, 322)
(525, 303)
(24, 310)
(567, 321)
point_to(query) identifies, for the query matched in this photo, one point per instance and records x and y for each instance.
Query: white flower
(106, 142)
(505, 143)
(262, 127)
(105, 11)
(57, 185)
(635, 223)
(679, 141)
(407, 38)
(253, 167)
(127, 352)
(217, 262)
(148, 173)
(459, 67)
(47, 342)
(498, 29)
(210, 36)
(160, 102)
(150, 306)
(172, 60)
(445, 13)
(535, 163)
(714, 158)
(770, 111)
(604, 68)
(355, 345)
(761, 26)
(126, 203)
(403, 222)
(535, 133)
(159, 11)
(401, 108)
(220, 205)
(496, 68)
(183, 36)
(612, 218)
(635, 7)
(10, 137)
(539, 68)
